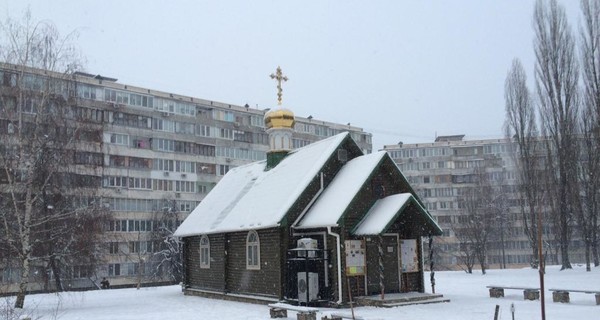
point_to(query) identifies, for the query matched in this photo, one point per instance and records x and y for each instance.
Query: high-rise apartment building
(152, 154)
(442, 171)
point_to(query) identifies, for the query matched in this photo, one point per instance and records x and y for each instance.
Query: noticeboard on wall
(355, 257)
(409, 256)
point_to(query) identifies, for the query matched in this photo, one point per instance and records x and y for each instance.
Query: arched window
(252, 251)
(204, 252)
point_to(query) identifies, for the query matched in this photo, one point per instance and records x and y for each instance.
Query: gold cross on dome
(278, 75)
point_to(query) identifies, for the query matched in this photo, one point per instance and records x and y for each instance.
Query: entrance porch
(400, 299)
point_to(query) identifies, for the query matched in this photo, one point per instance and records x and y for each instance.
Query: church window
(204, 253)
(379, 191)
(252, 251)
(378, 188)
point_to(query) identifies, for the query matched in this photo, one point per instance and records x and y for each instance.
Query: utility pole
(502, 241)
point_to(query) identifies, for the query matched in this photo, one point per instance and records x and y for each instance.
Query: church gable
(357, 187)
(346, 151)
(250, 197)
(399, 180)
(382, 182)
(386, 181)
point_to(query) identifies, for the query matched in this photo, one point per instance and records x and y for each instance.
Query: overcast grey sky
(402, 70)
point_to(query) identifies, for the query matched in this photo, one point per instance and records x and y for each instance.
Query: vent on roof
(342, 155)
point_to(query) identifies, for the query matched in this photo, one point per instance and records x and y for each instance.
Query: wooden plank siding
(228, 272)
(207, 279)
(267, 280)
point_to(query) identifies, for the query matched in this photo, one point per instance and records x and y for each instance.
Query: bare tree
(167, 260)
(556, 75)
(520, 126)
(476, 225)
(67, 244)
(153, 252)
(50, 210)
(466, 250)
(590, 122)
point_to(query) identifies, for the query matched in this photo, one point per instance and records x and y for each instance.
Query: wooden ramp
(400, 299)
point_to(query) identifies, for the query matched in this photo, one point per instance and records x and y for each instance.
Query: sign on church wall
(410, 259)
(355, 257)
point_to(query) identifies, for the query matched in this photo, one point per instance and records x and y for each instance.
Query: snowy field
(467, 292)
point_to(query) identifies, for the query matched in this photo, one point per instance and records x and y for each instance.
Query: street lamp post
(503, 264)
(502, 239)
(501, 217)
(541, 266)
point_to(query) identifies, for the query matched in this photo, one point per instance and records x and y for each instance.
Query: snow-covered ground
(468, 293)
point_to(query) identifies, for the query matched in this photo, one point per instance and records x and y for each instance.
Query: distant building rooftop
(97, 76)
(458, 137)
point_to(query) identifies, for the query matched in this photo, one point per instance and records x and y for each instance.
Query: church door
(391, 271)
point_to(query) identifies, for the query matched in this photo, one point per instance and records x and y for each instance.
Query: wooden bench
(529, 293)
(279, 310)
(340, 316)
(562, 295)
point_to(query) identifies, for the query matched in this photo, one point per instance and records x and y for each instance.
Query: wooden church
(307, 226)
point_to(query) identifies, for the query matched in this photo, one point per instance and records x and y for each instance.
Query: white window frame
(204, 252)
(252, 251)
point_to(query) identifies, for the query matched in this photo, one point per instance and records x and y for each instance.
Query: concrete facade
(441, 170)
(159, 153)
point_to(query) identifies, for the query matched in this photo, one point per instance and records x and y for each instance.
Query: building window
(82, 272)
(114, 269)
(204, 253)
(222, 169)
(134, 246)
(121, 139)
(113, 247)
(252, 251)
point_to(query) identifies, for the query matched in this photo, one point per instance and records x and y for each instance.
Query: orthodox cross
(279, 77)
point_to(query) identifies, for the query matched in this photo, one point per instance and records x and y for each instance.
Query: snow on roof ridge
(381, 213)
(264, 201)
(330, 206)
(318, 142)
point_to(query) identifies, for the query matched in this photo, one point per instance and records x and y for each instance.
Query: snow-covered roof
(388, 210)
(382, 213)
(248, 197)
(330, 206)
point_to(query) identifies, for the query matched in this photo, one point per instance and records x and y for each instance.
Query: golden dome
(280, 118)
